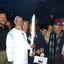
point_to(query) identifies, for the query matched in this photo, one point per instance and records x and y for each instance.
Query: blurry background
(43, 9)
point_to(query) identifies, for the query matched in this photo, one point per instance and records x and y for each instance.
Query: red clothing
(57, 20)
(26, 32)
(57, 59)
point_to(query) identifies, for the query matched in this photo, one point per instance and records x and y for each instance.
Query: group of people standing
(15, 43)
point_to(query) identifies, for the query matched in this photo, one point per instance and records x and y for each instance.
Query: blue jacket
(38, 40)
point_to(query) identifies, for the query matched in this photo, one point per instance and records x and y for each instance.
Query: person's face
(57, 29)
(25, 26)
(63, 25)
(2, 19)
(30, 27)
(8, 24)
(50, 28)
(44, 31)
(18, 22)
(51, 16)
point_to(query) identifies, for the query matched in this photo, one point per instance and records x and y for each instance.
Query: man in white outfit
(16, 44)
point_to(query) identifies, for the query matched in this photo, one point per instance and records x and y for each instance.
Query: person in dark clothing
(54, 42)
(9, 25)
(39, 42)
(60, 55)
(3, 32)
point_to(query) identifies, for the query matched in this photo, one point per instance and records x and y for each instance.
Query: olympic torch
(32, 35)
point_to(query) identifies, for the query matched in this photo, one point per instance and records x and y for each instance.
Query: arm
(28, 45)
(9, 48)
(40, 45)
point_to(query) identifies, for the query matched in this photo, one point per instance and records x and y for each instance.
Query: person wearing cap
(54, 42)
(39, 42)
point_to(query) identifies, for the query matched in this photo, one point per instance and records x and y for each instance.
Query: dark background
(25, 8)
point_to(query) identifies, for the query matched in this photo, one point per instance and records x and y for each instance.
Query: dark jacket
(54, 46)
(39, 42)
(3, 34)
(60, 58)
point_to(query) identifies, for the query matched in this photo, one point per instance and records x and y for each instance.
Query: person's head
(30, 26)
(2, 18)
(18, 22)
(8, 24)
(43, 29)
(62, 25)
(51, 16)
(25, 25)
(36, 21)
(50, 27)
(57, 28)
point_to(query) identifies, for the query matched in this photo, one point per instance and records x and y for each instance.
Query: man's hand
(12, 63)
(32, 46)
(38, 51)
(33, 53)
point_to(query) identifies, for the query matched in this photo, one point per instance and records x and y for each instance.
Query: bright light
(11, 14)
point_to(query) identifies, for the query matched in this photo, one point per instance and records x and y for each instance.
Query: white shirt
(17, 46)
(57, 36)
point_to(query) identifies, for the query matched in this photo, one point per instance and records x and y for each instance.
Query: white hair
(17, 17)
(57, 24)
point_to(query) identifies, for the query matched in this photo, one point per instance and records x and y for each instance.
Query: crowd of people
(15, 43)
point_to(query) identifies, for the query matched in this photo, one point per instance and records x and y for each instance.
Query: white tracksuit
(17, 46)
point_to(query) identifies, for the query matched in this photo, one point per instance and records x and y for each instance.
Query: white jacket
(17, 46)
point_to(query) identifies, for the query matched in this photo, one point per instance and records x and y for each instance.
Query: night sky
(24, 8)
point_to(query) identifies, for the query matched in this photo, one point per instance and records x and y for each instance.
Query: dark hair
(30, 22)
(43, 26)
(2, 12)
